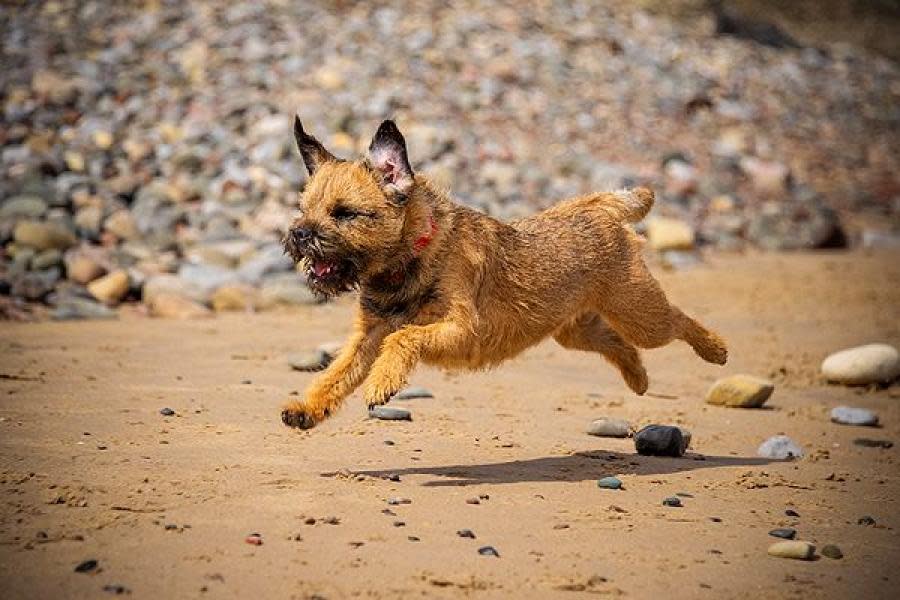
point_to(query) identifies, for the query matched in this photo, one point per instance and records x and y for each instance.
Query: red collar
(423, 240)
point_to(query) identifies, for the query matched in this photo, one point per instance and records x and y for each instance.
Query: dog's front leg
(338, 381)
(403, 349)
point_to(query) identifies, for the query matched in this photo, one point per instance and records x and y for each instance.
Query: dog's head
(352, 214)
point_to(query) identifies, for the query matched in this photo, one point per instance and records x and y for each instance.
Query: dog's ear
(312, 151)
(387, 155)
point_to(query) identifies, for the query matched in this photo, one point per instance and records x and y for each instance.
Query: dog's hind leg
(708, 346)
(590, 333)
(641, 314)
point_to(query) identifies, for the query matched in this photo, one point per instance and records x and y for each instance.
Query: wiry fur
(480, 291)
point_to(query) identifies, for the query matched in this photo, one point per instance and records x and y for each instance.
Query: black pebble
(673, 501)
(116, 589)
(488, 551)
(466, 533)
(866, 520)
(791, 513)
(870, 443)
(716, 519)
(171, 526)
(399, 524)
(388, 442)
(785, 533)
(659, 440)
(166, 412)
(412, 538)
(86, 566)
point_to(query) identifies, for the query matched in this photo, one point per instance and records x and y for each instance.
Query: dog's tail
(632, 205)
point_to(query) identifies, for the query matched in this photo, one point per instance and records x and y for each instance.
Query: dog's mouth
(329, 276)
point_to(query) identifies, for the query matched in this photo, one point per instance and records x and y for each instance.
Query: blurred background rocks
(147, 159)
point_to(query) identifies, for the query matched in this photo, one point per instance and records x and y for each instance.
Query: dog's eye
(342, 213)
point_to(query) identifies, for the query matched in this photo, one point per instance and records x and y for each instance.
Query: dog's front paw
(299, 416)
(375, 396)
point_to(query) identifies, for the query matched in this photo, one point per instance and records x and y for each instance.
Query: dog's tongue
(321, 268)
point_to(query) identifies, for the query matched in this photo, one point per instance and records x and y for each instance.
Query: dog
(447, 285)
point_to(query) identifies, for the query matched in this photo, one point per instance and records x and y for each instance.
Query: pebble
(610, 427)
(171, 306)
(167, 412)
(254, 539)
(413, 392)
(234, 297)
(488, 551)
(673, 501)
(610, 483)
(42, 236)
(791, 513)
(25, 206)
(872, 363)
(118, 590)
(74, 308)
(466, 533)
(779, 447)
(870, 443)
(82, 268)
(397, 501)
(793, 549)
(740, 391)
(315, 360)
(832, 551)
(473, 501)
(784, 532)
(659, 440)
(390, 413)
(111, 288)
(86, 566)
(665, 233)
(846, 415)
(866, 520)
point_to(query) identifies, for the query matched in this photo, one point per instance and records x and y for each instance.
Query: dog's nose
(301, 235)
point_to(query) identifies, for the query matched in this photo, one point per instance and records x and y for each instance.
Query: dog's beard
(329, 271)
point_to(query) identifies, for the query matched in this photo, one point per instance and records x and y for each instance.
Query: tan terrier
(447, 285)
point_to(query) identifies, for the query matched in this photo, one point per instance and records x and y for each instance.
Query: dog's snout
(302, 235)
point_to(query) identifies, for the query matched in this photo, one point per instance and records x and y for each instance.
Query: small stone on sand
(832, 551)
(610, 427)
(413, 392)
(389, 413)
(740, 391)
(673, 501)
(659, 440)
(488, 551)
(846, 415)
(466, 533)
(872, 363)
(792, 549)
(610, 483)
(779, 447)
(309, 361)
(785, 533)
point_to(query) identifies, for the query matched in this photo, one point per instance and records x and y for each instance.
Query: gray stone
(779, 447)
(673, 501)
(832, 551)
(289, 291)
(785, 533)
(75, 309)
(389, 413)
(25, 206)
(172, 284)
(413, 392)
(610, 427)
(309, 361)
(846, 415)
(659, 440)
(35, 285)
(872, 363)
(609, 483)
(207, 277)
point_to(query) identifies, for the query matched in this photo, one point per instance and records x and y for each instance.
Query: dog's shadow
(580, 466)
